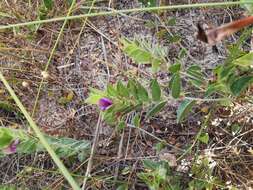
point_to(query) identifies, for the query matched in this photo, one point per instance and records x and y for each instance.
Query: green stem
(37, 131)
(115, 12)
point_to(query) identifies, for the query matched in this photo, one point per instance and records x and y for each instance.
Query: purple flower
(12, 148)
(104, 103)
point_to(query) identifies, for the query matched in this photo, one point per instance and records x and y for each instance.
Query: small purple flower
(12, 148)
(104, 103)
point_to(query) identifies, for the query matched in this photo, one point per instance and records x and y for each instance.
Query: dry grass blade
(93, 150)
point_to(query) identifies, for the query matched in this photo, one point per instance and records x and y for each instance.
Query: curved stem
(115, 12)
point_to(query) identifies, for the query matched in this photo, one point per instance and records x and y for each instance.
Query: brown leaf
(170, 158)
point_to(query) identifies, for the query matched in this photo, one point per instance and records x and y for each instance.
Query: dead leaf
(170, 158)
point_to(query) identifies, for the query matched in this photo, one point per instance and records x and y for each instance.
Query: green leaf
(235, 128)
(214, 88)
(5, 138)
(150, 165)
(95, 95)
(93, 98)
(66, 147)
(29, 146)
(161, 173)
(226, 71)
(122, 187)
(174, 38)
(195, 75)
(121, 125)
(10, 187)
(176, 86)
(155, 64)
(159, 146)
(137, 53)
(111, 91)
(245, 61)
(184, 108)
(110, 116)
(96, 91)
(48, 4)
(6, 106)
(140, 56)
(42, 13)
(156, 90)
(204, 138)
(137, 120)
(122, 90)
(248, 7)
(175, 68)
(155, 109)
(182, 53)
(171, 21)
(240, 84)
(143, 51)
(132, 87)
(142, 93)
(2, 15)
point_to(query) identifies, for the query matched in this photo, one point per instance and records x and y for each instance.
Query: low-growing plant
(202, 173)
(229, 82)
(159, 176)
(20, 141)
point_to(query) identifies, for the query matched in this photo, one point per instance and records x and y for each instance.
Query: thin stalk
(85, 20)
(116, 12)
(203, 126)
(51, 56)
(155, 137)
(41, 137)
(93, 149)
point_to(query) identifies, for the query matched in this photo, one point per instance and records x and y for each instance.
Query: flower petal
(12, 148)
(104, 103)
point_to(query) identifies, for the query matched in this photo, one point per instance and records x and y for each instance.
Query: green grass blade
(37, 131)
(116, 12)
(52, 54)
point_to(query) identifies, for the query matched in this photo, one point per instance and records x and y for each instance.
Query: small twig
(119, 156)
(85, 20)
(51, 56)
(204, 125)
(93, 149)
(157, 138)
(101, 33)
(251, 42)
(207, 99)
(128, 142)
(145, 9)
(105, 58)
(60, 180)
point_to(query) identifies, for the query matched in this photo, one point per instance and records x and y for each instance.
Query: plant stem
(115, 12)
(203, 126)
(37, 131)
(93, 149)
(155, 137)
(51, 56)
